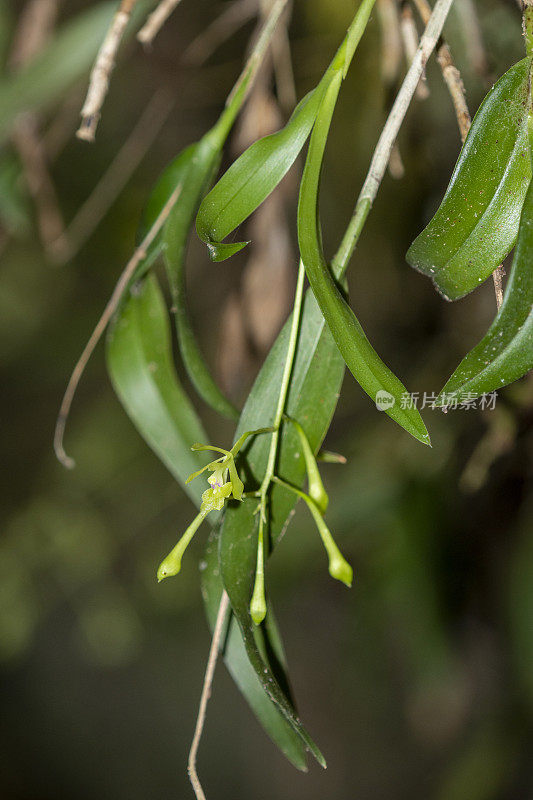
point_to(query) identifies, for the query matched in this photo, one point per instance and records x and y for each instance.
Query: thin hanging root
(156, 20)
(452, 78)
(101, 72)
(102, 324)
(216, 645)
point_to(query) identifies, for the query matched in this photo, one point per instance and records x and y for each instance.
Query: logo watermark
(460, 401)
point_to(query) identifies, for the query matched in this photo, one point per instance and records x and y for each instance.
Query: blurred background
(419, 681)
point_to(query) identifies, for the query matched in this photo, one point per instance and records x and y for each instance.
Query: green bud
(315, 486)
(171, 565)
(258, 602)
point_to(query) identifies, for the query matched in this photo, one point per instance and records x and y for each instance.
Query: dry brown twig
(102, 324)
(115, 178)
(454, 83)
(229, 21)
(156, 20)
(410, 44)
(33, 32)
(101, 72)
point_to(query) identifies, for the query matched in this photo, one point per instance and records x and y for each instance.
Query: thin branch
(391, 40)
(115, 178)
(156, 20)
(101, 72)
(283, 70)
(452, 78)
(388, 135)
(229, 21)
(101, 325)
(33, 32)
(216, 642)
(410, 46)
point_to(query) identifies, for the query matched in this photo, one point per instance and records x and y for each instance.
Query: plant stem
(388, 136)
(216, 642)
(282, 398)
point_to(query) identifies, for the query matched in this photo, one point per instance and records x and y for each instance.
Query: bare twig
(156, 20)
(391, 40)
(113, 181)
(452, 78)
(283, 71)
(33, 32)
(32, 154)
(216, 643)
(475, 50)
(230, 20)
(101, 325)
(101, 72)
(382, 152)
(410, 44)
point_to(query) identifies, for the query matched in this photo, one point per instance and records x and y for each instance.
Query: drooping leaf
(506, 351)
(476, 224)
(67, 57)
(252, 177)
(374, 377)
(139, 363)
(202, 164)
(315, 383)
(193, 170)
(140, 367)
(240, 668)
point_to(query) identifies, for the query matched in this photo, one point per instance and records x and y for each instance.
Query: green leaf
(193, 169)
(139, 363)
(477, 222)
(315, 383)
(202, 162)
(506, 351)
(240, 668)
(141, 369)
(252, 177)
(67, 57)
(374, 377)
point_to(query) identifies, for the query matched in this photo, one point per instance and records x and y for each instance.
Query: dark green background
(418, 683)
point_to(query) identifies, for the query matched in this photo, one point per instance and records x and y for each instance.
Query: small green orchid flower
(224, 482)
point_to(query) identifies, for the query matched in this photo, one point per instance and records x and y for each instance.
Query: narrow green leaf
(477, 222)
(252, 177)
(193, 169)
(67, 57)
(506, 351)
(240, 668)
(202, 164)
(139, 363)
(141, 369)
(315, 383)
(374, 377)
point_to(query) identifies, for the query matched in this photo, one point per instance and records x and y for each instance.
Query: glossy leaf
(374, 377)
(506, 351)
(240, 668)
(193, 169)
(139, 363)
(252, 177)
(141, 369)
(67, 57)
(202, 164)
(476, 224)
(315, 383)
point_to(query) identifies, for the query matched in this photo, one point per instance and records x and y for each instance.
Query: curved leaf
(477, 222)
(202, 164)
(193, 169)
(506, 351)
(315, 383)
(374, 377)
(140, 366)
(66, 58)
(252, 177)
(139, 363)
(240, 668)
